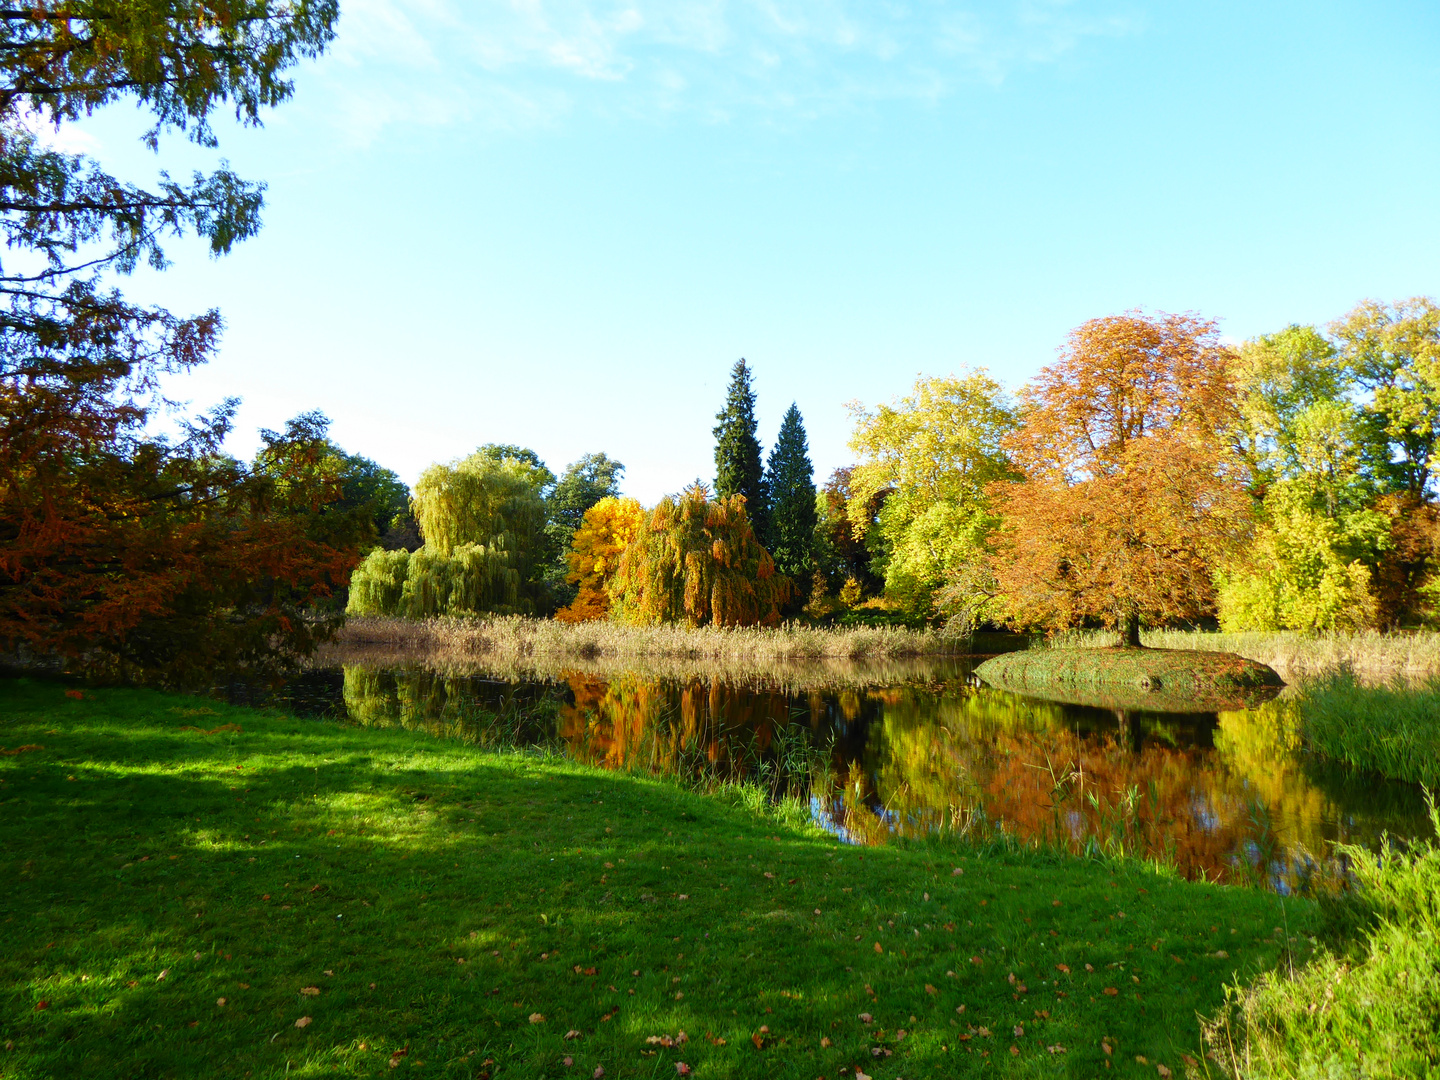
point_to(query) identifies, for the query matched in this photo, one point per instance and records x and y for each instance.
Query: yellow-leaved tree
(605, 531)
(696, 560)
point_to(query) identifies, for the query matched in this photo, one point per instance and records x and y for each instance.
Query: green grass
(1391, 730)
(435, 895)
(1370, 1008)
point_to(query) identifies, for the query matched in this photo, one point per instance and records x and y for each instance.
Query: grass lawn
(190, 890)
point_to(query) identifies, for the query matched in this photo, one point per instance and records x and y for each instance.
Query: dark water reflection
(1225, 796)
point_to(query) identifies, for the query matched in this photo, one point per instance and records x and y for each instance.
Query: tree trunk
(1130, 631)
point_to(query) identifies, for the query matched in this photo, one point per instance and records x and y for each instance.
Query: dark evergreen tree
(738, 468)
(790, 483)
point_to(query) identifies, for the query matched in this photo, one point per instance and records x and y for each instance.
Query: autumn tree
(583, 484)
(1394, 353)
(790, 484)
(844, 557)
(606, 530)
(1306, 443)
(164, 556)
(697, 561)
(1131, 494)
(738, 468)
(933, 454)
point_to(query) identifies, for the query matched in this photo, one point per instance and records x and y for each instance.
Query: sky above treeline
(559, 224)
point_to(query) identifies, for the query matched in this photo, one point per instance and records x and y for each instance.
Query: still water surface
(1222, 795)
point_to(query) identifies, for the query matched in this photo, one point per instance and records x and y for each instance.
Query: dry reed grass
(791, 656)
(1373, 657)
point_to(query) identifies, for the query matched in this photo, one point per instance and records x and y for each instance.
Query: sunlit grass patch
(436, 897)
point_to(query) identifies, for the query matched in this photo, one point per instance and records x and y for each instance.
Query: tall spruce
(738, 468)
(790, 483)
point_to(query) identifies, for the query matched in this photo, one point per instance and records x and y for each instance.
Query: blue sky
(560, 223)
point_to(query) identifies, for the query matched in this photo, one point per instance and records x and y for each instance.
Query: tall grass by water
(530, 648)
(1368, 1007)
(1391, 730)
(1371, 655)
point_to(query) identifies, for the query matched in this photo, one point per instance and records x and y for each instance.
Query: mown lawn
(192, 890)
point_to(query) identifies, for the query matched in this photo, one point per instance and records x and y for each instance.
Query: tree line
(1151, 475)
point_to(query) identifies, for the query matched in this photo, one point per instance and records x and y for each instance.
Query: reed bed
(1374, 657)
(789, 656)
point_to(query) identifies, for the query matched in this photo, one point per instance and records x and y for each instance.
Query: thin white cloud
(522, 63)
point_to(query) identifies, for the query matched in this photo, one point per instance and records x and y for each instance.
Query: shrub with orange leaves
(606, 530)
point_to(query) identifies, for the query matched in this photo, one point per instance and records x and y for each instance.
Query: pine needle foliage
(790, 481)
(697, 561)
(738, 468)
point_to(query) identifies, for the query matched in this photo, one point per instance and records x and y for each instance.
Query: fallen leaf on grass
(1056, 1049)
(397, 1055)
(865, 1018)
(660, 1040)
(758, 1041)
(537, 1018)
(1064, 969)
(162, 975)
(303, 1022)
(219, 1001)
(1107, 1048)
(568, 1061)
(824, 1041)
(19, 750)
(878, 949)
(984, 1033)
(861, 1076)
(769, 874)
(572, 1034)
(1110, 991)
(931, 990)
(1163, 1071)
(310, 991)
(599, 1069)
(40, 1005)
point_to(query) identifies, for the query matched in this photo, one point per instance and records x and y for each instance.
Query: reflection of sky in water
(1216, 793)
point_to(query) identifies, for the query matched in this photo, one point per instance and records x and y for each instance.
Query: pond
(921, 749)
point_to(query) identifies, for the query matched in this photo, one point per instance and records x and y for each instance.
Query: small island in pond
(1166, 677)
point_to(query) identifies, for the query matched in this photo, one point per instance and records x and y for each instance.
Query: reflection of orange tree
(701, 725)
(998, 759)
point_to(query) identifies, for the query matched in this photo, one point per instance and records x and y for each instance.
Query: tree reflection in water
(1224, 796)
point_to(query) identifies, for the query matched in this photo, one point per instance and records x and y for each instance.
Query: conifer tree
(790, 483)
(738, 468)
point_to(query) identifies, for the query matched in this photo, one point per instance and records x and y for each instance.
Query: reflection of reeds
(791, 658)
(1373, 656)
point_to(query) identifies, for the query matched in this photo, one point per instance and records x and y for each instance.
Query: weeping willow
(483, 521)
(697, 561)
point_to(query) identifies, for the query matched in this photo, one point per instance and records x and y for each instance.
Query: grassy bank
(193, 890)
(1369, 1008)
(1373, 656)
(1390, 730)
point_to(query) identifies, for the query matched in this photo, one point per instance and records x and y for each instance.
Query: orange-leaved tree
(1131, 492)
(696, 560)
(605, 531)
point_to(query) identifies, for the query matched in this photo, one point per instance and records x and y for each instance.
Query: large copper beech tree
(1130, 491)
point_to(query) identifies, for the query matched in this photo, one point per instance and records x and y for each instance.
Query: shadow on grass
(179, 901)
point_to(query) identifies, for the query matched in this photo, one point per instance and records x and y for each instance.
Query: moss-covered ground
(191, 890)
